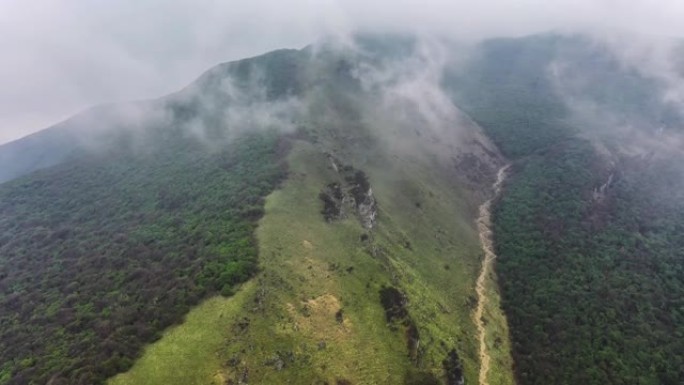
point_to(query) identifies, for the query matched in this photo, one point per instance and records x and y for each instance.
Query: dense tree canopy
(100, 254)
(592, 278)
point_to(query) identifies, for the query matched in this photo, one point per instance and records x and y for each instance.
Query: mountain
(588, 230)
(379, 210)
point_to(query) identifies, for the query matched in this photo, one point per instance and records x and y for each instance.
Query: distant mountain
(108, 126)
(44, 149)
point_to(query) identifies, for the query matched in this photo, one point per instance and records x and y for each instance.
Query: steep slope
(588, 230)
(371, 266)
(150, 212)
(368, 254)
(223, 101)
(347, 295)
(33, 153)
(98, 256)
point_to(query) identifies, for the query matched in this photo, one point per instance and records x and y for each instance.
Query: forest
(592, 279)
(100, 254)
(592, 288)
(103, 252)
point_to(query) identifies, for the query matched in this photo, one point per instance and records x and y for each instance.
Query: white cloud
(62, 56)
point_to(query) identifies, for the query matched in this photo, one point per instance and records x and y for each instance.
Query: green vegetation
(106, 250)
(98, 255)
(505, 90)
(594, 288)
(315, 311)
(592, 280)
(186, 353)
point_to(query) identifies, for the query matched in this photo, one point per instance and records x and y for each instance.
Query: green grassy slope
(316, 310)
(186, 353)
(313, 269)
(152, 230)
(315, 313)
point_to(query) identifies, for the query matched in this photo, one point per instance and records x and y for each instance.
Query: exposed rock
(363, 197)
(233, 362)
(353, 194)
(280, 360)
(453, 369)
(394, 302)
(241, 325)
(332, 198)
(333, 163)
(367, 210)
(412, 340)
(599, 193)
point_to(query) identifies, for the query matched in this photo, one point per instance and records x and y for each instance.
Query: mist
(61, 58)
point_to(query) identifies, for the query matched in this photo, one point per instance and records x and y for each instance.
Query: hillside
(354, 284)
(368, 252)
(144, 218)
(383, 210)
(589, 229)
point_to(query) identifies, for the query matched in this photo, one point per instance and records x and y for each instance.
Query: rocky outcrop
(352, 195)
(395, 304)
(362, 193)
(453, 369)
(599, 193)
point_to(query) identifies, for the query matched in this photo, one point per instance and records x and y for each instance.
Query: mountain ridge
(355, 173)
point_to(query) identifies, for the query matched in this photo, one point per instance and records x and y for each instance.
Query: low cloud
(61, 57)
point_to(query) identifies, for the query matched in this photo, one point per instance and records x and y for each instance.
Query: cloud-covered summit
(61, 57)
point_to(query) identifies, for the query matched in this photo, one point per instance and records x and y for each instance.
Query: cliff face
(352, 194)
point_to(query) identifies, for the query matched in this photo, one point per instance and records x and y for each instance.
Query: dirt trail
(484, 229)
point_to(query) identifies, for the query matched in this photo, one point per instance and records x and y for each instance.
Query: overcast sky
(61, 56)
